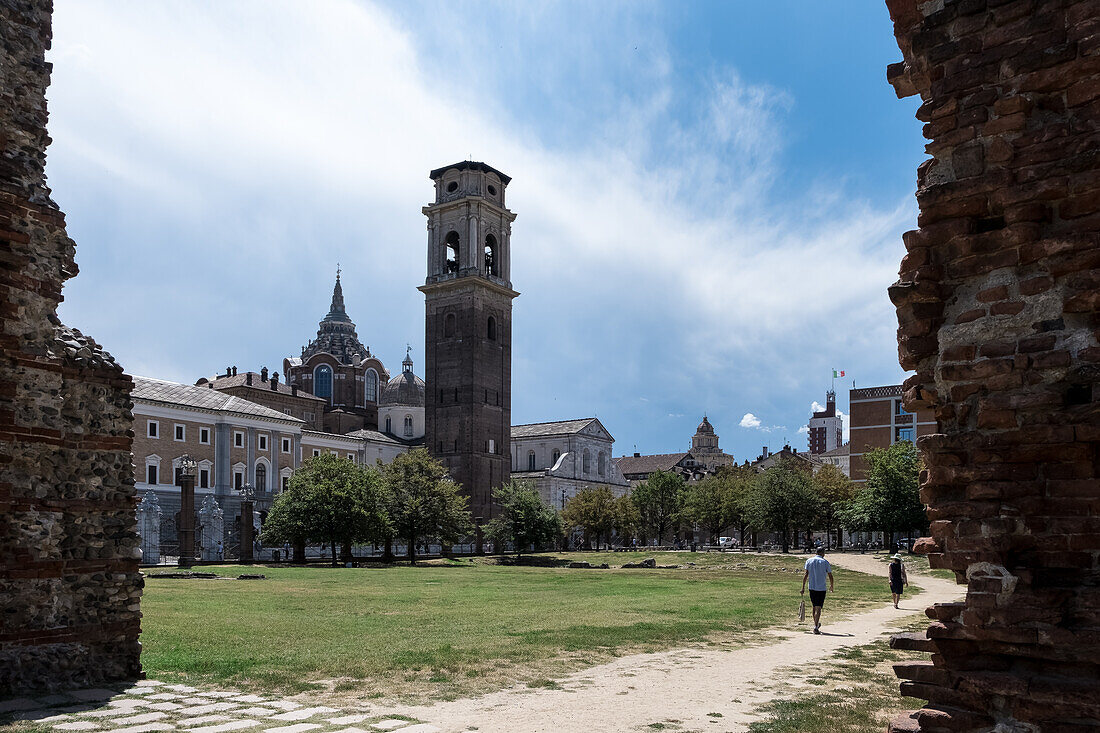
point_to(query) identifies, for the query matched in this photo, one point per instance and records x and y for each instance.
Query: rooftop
(866, 393)
(470, 165)
(241, 380)
(148, 389)
(556, 427)
(648, 464)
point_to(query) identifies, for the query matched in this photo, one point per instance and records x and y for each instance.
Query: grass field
(447, 629)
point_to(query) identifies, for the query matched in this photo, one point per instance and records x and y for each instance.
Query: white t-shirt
(819, 569)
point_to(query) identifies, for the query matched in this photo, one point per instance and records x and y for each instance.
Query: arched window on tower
(408, 426)
(530, 460)
(586, 462)
(370, 382)
(555, 456)
(389, 428)
(491, 329)
(322, 382)
(449, 325)
(452, 252)
(261, 477)
(491, 267)
(601, 463)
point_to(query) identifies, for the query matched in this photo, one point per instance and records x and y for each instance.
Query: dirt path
(697, 689)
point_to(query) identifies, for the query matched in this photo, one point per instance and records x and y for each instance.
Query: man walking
(817, 569)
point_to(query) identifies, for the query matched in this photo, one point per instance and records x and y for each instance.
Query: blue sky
(710, 195)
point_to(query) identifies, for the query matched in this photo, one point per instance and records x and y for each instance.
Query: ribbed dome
(705, 426)
(405, 389)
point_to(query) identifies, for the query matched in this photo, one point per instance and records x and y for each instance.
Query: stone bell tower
(468, 330)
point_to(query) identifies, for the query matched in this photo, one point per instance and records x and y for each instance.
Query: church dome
(406, 389)
(705, 426)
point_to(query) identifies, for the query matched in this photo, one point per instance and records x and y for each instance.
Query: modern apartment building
(878, 420)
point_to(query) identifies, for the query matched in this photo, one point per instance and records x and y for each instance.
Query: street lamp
(248, 493)
(187, 468)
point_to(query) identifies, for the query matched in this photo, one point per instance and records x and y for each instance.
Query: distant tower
(826, 427)
(468, 330)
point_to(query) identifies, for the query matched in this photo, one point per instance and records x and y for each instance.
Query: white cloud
(804, 430)
(817, 406)
(269, 155)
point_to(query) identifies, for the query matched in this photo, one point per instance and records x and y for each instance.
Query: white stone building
(838, 457)
(561, 458)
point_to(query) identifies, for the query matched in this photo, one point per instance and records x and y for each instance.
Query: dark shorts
(817, 598)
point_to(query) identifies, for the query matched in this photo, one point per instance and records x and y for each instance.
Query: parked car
(906, 543)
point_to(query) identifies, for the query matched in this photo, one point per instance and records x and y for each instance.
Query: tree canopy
(782, 499)
(329, 501)
(423, 501)
(834, 490)
(707, 504)
(890, 499)
(593, 510)
(524, 519)
(659, 499)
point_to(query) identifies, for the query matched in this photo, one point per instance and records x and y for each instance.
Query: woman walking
(898, 577)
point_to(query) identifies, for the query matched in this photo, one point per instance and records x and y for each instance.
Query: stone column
(247, 538)
(223, 472)
(148, 516)
(213, 529)
(187, 521)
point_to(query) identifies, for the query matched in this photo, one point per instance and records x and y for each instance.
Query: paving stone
(181, 688)
(220, 693)
(234, 725)
(164, 706)
(93, 694)
(56, 718)
(166, 696)
(105, 713)
(214, 707)
(143, 728)
(195, 700)
(203, 720)
(284, 704)
(352, 730)
(19, 703)
(249, 698)
(143, 718)
(297, 728)
(148, 683)
(256, 711)
(129, 702)
(420, 728)
(139, 691)
(349, 719)
(303, 713)
(78, 725)
(390, 724)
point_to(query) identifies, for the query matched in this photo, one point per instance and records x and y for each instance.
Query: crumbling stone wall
(69, 582)
(997, 304)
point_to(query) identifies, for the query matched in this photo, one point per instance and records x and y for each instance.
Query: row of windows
(450, 327)
(204, 477)
(180, 434)
(586, 461)
(408, 426)
(322, 384)
(454, 247)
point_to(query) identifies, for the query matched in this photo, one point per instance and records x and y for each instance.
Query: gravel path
(696, 689)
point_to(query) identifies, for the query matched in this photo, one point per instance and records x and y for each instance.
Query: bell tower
(468, 330)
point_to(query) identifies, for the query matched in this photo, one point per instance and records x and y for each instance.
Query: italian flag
(837, 375)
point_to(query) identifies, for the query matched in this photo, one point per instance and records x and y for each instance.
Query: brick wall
(997, 307)
(69, 586)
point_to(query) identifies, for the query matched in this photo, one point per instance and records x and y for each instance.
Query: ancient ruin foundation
(997, 305)
(69, 583)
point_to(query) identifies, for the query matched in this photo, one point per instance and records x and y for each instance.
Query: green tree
(659, 499)
(706, 503)
(424, 502)
(834, 490)
(329, 501)
(889, 501)
(781, 500)
(593, 510)
(627, 518)
(524, 519)
(740, 481)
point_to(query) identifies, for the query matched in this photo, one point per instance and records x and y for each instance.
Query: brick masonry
(997, 304)
(69, 582)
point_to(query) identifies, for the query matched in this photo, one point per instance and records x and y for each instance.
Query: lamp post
(187, 467)
(248, 493)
